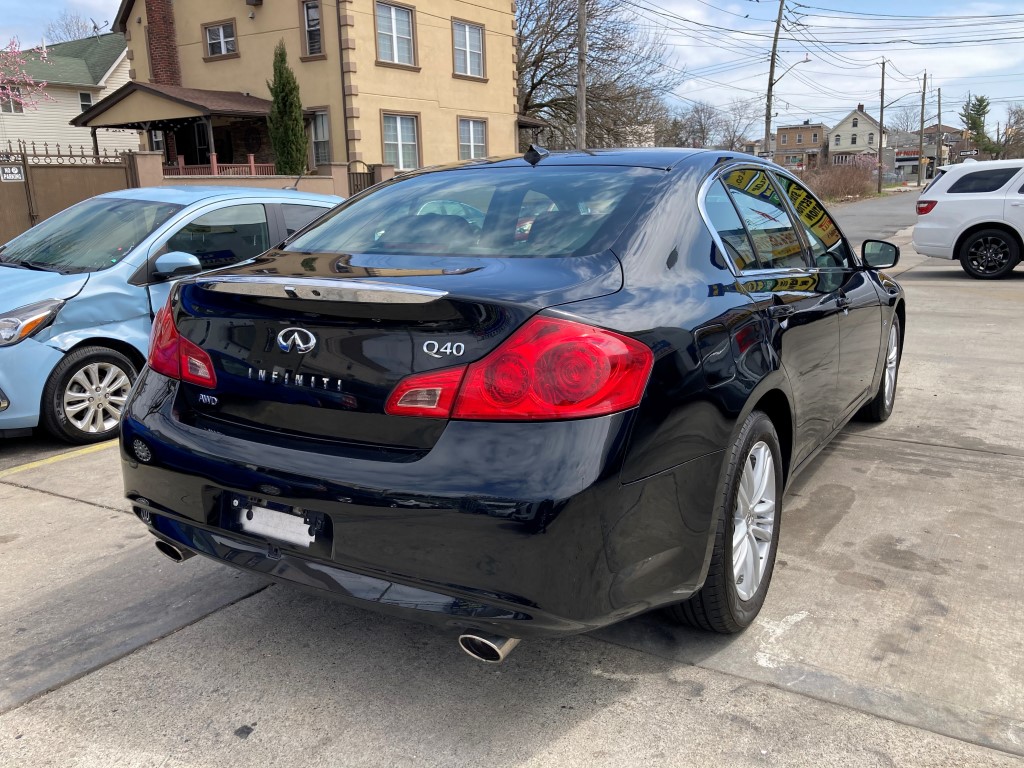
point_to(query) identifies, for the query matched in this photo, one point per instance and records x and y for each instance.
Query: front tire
(747, 536)
(85, 395)
(989, 254)
(880, 408)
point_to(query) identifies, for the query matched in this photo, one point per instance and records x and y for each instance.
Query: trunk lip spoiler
(321, 289)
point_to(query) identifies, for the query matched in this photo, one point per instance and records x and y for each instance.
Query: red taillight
(925, 206)
(548, 369)
(179, 358)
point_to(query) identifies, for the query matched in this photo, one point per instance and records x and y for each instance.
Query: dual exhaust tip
(490, 649)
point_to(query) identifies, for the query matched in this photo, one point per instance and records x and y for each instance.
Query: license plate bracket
(280, 523)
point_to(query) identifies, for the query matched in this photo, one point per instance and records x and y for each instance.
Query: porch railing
(250, 168)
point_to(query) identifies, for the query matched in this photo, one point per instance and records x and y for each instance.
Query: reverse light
(547, 370)
(172, 355)
(925, 206)
(23, 322)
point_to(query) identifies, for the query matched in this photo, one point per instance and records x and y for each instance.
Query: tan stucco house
(391, 83)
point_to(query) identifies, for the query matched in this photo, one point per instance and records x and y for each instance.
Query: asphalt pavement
(892, 635)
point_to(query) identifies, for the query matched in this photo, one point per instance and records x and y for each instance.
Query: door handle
(1016, 205)
(843, 301)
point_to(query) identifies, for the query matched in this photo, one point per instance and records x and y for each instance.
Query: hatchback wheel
(85, 394)
(747, 536)
(989, 254)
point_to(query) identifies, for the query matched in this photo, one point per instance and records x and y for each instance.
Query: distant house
(800, 147)
(77, 75)
(856, 135)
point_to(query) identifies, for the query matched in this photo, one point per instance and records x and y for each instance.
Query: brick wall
(161, 39)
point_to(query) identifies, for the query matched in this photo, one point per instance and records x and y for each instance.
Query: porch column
(213, 148)
(95, 142)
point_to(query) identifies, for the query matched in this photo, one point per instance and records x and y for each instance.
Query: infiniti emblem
(299, 339)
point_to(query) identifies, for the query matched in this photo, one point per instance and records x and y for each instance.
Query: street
(891, 635)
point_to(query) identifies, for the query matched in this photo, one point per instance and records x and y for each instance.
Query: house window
(85, 100)
(10, 100)
(395, 35)
(220, 39)
(785, 139)
(838, 139)
(401, 144)
(321, 139)
(814, 138)
(871, 138)
(853, 138)
(156, 141)
(856, 122)
(311, 25)
(472, 139)
(469, 49)
(799, 138)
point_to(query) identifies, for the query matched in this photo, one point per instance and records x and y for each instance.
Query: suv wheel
(85, 394)
(989, 254)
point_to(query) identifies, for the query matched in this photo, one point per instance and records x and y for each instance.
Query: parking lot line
(59, 457)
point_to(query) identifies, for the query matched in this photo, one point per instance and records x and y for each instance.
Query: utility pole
(920, 148)
(939, 143)
(581, 75)
(771, 84)
(881, 133)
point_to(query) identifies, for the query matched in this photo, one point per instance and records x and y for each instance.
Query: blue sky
(728, 58)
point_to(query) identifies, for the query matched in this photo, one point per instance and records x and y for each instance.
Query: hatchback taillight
(549, 369)
(177, 357)
(925, 206)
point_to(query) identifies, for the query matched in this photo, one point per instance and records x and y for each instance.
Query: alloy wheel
(892, 359)
(753, 520)
(989, 254)
(95, 396)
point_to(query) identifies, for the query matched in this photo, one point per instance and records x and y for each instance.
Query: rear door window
(726, 222)
(297, 216)
(982, 181)
(775, 239)
(828, 248)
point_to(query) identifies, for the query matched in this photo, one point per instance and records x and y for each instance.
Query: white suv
(974, 212)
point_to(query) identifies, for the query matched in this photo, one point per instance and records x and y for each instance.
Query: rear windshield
(938, 175)
(983, 181)
(530, 212)
(88, 237)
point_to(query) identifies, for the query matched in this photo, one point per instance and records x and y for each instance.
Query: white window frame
(871, 139)
(785, 139)
(222, 39)
(462, 42)
(853, 139)
(321, 141)
(814, 138)
(403, 139)
(318, 29)
(839, 140)
(8, 105)
(393, 11)
(85, 100)
(799, 138)
(475, 149)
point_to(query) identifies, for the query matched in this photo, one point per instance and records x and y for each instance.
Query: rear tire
(747, 536)
(989, 254)
(85, 395)
(880, 408)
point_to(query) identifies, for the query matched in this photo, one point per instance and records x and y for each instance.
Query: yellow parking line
(59, 457)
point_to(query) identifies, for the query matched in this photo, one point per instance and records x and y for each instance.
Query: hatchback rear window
(529, 212)
(983, 181)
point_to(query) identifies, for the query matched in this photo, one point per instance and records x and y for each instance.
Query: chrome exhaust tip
(492, 649)
(171, 551)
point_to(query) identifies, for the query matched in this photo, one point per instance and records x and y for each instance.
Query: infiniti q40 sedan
(511, 434)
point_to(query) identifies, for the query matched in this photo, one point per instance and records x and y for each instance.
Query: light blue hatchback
(78, 292)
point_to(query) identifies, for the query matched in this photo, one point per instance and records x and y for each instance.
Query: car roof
(662, 158)
(188, 195)
(981, 165)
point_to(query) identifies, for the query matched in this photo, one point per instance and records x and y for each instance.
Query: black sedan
(579, 404)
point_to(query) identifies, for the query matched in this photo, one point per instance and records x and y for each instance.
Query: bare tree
(735, 122)
(905, 119)
(1010, 139)
(68, 26)
(627, 71)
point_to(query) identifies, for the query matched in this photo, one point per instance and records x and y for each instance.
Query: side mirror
(878, 254)
(176, 264)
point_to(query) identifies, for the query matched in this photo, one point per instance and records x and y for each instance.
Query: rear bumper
(933, 241)
(517, 529)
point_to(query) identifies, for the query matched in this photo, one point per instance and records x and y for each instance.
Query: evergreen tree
(973, 116)
(287, 132)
